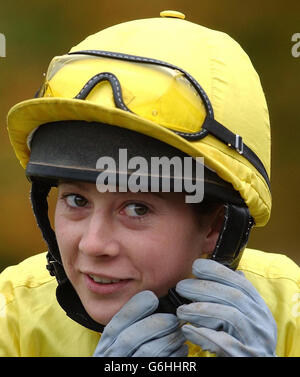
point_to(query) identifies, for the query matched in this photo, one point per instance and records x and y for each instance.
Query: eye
(75, 200)
(136, 210)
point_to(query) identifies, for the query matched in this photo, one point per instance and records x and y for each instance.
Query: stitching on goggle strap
(115, 84)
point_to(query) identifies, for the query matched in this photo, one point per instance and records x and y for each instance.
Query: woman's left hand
(228, 317)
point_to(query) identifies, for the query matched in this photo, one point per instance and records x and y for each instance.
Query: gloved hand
(228, 317)
(135, 332)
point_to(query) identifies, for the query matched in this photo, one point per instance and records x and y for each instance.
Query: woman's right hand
(135, 332)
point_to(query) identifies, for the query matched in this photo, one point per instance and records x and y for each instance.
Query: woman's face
(114, 245)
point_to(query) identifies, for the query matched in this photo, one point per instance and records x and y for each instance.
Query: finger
(181, 352)
(217, 317)
(152, 327)
(171, 345)
(139, 306)
(215, 292)
(208, 269)
(216, 342)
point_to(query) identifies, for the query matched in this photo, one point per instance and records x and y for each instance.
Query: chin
(102, 312)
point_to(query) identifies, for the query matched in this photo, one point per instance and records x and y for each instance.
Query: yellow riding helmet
(181, 83)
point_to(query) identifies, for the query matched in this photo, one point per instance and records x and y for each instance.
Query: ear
(214, 225)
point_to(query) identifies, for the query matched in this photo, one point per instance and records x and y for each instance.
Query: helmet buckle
(239, 145)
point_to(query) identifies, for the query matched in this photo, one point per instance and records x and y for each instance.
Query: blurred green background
(35, 31)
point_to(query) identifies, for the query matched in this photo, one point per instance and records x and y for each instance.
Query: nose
(99, 238)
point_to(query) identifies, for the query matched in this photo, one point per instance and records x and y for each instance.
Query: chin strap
(233, 236)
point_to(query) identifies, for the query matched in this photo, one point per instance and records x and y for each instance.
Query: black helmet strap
(233, 236)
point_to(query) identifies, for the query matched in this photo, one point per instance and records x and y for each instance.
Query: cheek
(167, 258)
(67, 236)
(183, 250)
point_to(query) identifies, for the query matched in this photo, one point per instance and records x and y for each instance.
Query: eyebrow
(72, 183)
(81, 185)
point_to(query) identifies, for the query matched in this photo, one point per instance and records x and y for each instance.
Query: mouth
(103, 280)
(105, 285)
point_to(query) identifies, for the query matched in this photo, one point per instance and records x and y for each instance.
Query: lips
(103, 280)
(103, 285)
